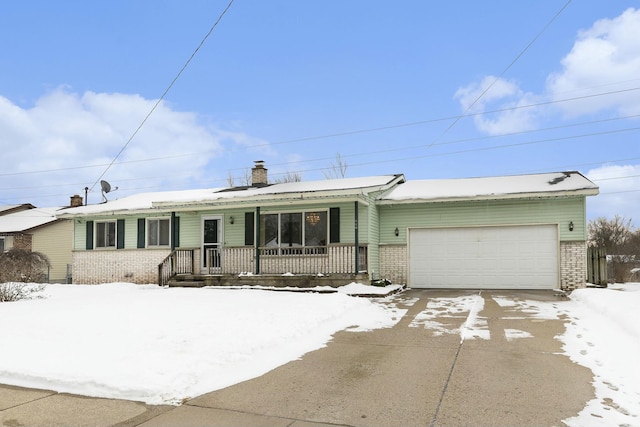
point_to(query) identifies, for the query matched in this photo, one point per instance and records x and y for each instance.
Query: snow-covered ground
(604, 336)
(157, 345)
(164, 345)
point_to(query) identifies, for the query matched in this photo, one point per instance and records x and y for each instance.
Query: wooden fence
(597, 266)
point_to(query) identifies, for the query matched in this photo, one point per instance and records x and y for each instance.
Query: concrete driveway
(418, 373)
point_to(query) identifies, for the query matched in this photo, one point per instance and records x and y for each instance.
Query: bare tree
(231, 180)
(244, 179)
(288, 177)
(337, 169)
(609, 234)
(621, 243)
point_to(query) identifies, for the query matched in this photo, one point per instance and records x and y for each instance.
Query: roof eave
(510, 196)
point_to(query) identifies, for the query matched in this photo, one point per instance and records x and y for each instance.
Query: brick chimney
(259, 175)
(76, 201)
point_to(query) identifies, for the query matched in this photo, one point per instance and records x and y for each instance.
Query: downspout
(257, 240)
(357, 243)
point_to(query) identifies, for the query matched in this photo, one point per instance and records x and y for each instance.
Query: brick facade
(105, 266)
(393, 263)
(573, 264)
(22, 241)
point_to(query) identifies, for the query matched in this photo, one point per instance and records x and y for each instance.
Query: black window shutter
(334, 225)
(141, 230)
(249, 229)
(176, 232)
(89, 245)
(120, 234)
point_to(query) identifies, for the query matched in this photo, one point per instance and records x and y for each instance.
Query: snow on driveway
(164, 345)
(602, 334)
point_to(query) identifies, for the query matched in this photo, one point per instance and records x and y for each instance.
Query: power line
(186, 64)
(376, 129)
(488, 88)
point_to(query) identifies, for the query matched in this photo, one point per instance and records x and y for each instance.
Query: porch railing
(214, 260)
(331, 259)
(179, 261)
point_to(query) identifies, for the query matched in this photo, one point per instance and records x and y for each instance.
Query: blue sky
(384, 84)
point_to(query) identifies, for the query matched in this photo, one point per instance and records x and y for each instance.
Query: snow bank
(603, 335)
(159, 345)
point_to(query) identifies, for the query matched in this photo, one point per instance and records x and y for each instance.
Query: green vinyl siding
(234, 233)
(190, 230)
(559, 211)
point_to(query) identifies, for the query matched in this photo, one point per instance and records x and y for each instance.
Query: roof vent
(559, 179)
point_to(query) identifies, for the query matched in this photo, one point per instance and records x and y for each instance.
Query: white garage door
(511, 257)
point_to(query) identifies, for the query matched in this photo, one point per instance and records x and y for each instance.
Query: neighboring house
(39, 230)
(526, 231)
(8, 209)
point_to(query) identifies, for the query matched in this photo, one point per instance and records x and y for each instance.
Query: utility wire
(376, 129)
(186, 64)
(526, 48)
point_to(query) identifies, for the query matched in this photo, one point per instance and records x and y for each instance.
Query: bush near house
(19, 265)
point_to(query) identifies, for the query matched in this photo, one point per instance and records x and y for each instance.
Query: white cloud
(604, 58)
(503, 96)
(74, 137)
(619, 192)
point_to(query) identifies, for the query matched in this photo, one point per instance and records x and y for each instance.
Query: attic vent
(558, 179)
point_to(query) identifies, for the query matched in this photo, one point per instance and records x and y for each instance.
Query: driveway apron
(508, 371)
(454, 358)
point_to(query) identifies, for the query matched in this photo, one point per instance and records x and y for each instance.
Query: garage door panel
(509, 257)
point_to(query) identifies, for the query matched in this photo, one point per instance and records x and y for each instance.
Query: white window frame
(279, 247)
(97, 231)
(148, 234)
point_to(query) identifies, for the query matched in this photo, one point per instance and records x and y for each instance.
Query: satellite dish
(106, 188)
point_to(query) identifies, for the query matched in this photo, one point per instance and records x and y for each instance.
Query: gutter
(511, 196)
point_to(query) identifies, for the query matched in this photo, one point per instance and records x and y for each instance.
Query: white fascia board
(257, 201)
(167, 207)
(510, 196)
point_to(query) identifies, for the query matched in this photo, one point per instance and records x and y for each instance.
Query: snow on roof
(328, 185)
(146, 201)
(8, 208)
(143, 201)
(27, 219)
(491, 187)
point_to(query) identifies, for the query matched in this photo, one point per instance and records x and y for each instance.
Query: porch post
(172, 231)
(257, 240)
(357, 250)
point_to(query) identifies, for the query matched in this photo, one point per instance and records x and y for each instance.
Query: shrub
(19, 265)
(13, 291)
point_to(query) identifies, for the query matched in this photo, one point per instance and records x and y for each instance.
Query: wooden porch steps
(268, 280)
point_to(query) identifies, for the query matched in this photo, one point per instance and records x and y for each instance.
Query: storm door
(211, 258)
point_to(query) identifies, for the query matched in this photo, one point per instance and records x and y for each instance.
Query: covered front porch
(330, 265)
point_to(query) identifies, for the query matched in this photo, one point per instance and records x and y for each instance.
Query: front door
(211, 244)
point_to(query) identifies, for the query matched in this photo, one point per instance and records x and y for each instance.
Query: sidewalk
(406, 375)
